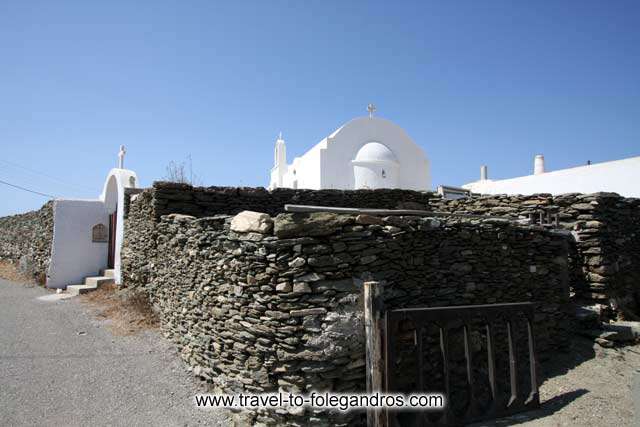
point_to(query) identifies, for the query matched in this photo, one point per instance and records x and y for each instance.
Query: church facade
(88, 234)
(365, 153)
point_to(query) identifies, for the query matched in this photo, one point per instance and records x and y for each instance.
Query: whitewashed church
(367, 152)
(77, 254)
(372, 152)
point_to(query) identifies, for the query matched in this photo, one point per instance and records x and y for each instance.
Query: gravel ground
(61, 366)
(589, 386)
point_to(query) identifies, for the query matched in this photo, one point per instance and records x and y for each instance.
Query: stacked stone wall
(281, 309)
(605, 250)
(25, 239)
(171, 198)
(604, 256)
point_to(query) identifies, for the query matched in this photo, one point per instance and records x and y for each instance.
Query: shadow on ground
(579, 351)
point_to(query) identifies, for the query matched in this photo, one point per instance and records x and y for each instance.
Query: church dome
(374, 152)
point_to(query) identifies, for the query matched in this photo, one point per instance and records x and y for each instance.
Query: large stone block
(313, 224)
(249, 221)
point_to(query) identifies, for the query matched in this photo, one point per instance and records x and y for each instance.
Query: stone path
(60, 366)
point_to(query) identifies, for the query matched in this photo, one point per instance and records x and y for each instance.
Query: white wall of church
(74, 255)
(330, 163)
(620, 176)
(375, 166)
(305, 172)
(375, 175)
(343, 146)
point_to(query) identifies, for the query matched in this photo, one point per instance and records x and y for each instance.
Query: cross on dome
(371, 109)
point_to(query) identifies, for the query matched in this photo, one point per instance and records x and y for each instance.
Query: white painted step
(108, 273)
(80, 289)
(98, 280)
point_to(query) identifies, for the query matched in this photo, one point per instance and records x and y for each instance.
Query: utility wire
(26, 189)
(15, 165)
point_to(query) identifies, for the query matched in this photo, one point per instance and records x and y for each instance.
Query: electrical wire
(26, 189)
(15, 165)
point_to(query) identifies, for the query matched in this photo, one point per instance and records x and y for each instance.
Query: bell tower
(279, 163)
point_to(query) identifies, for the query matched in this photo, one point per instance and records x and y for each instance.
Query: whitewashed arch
(113, 198)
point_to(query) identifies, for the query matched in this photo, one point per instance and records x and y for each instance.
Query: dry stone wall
(274, 303)
(207, 201)
(26, 239)
(605, 251)
(604, 256)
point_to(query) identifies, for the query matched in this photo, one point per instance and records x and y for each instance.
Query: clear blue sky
(474, 82)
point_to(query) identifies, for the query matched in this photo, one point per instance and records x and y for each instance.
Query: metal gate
(488, 393)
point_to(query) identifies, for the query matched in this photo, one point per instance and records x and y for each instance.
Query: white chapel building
(88, 233)
(365, 153)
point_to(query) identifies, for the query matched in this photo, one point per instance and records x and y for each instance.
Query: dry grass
(9, 271)
(128, 311)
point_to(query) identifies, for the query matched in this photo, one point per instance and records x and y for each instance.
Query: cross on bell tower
(121, 154)
(371, 109)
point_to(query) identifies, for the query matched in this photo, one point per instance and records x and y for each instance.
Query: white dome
(376, 153)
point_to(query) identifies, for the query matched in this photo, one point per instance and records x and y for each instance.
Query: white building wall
(328, 165)
(343, 145)
(74, 255)
(620, 176)
(304, 172)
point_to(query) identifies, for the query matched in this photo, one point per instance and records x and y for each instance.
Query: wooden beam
(389, 212)
(373, 332)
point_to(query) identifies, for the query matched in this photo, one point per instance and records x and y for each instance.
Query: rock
(180, 217)
(289, 225)
(301, 288)
(583, 206)
(298, 262)
(311, 277)
(604, 342)
(411, 206)
(284, 287)
(369, 220)
(624, 330)
(368, 259)
(461, 268)
(308, 312)
(249, 221)
(344, 285)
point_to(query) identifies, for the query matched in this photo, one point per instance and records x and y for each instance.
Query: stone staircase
(92, 283)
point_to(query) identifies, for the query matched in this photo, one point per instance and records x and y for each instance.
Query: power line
(15, 165)
(26, 189)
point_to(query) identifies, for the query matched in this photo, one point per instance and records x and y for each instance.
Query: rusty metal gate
(491, 373)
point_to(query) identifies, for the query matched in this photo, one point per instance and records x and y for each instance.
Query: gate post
(373, 332)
